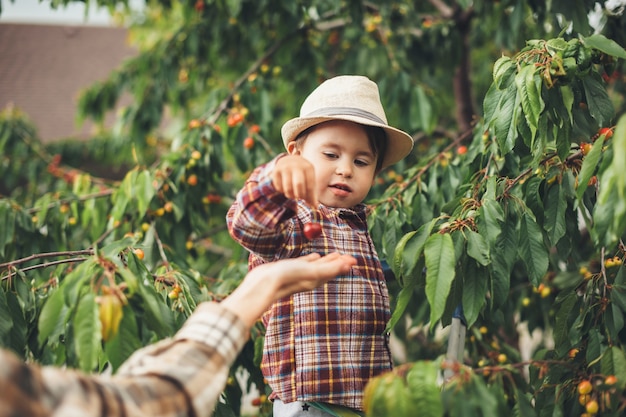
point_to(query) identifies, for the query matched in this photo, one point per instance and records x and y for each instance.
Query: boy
(322, 347)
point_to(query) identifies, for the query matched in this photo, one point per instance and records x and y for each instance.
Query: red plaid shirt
(325, 344)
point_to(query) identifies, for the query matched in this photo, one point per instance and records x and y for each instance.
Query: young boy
(321, 347)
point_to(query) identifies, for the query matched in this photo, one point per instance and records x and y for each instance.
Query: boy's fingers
(300, 185)
(311, 189)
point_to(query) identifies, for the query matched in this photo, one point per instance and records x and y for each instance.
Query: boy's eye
(330, 154)
(361, 162)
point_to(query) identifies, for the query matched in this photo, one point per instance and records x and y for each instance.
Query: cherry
(312, 230)
(584, 387)
(248, 142)
(606, 131)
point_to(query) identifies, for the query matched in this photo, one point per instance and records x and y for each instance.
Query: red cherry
(312, 230)
(248, 142)
(606, 131)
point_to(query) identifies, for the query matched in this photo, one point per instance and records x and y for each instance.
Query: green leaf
(618, 292)
(159, 317)
(486, 400)
(533, 190)
(404, 297)
(503, 257)
(489, 219)
(7, 322)
(614, 363)
(532, 249)
(556, 45)
(423, 385)
(113, 249)
(42, 205)
(6, 235)
(8, 225)
(421, 110)
(50, 315)
(127, 185)
(590, 162)
(475, 284)
(144, 191)
(408, 252)
(561, 325)
(503, 71)
(490, 102)
(477, 247)
(610, 210)
(614, 321)
(523, 406)
(18, 337)
(506, 119)
(555, 206)
(399, 257)
(121, 201)
(125, 342)
(602, 43)
(87, 332)
(598, 101)
(594, 346)
(568, 100)
(440, 260)
(392, 225)
(80, 277)
(529, 88)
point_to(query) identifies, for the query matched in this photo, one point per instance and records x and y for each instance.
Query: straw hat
(354, 98)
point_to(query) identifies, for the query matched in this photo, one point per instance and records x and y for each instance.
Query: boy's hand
(294, 176)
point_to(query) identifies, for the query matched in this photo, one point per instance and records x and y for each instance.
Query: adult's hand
(272, 281)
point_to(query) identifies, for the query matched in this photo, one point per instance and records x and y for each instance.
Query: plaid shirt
(182, 376)
(325, 344)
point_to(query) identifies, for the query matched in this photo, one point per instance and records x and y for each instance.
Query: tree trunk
(461, 83)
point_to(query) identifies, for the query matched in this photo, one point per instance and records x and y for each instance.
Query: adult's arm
(182, 376)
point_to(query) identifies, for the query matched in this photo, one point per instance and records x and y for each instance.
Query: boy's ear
(292, 148)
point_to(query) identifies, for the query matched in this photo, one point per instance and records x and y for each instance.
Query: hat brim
(399, 145)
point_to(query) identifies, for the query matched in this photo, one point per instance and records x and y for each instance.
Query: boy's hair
(376, 135)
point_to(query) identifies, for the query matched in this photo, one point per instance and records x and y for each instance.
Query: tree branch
(46, 255)
(445, 11)
(44, 265)
(213, 115)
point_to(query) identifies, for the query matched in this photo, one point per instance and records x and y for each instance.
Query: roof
(44, 67)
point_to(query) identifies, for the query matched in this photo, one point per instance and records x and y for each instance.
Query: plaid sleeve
(257, 218)
(176, 377)
(196, 361)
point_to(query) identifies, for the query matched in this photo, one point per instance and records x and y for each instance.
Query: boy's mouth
(341, 187)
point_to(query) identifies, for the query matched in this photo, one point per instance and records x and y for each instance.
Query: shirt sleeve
(181, 376)
(258, 217)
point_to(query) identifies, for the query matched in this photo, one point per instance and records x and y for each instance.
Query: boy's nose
(344, 169)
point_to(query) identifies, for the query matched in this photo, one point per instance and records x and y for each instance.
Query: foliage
(513, 207)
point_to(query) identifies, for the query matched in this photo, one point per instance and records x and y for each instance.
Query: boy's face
(345, 165)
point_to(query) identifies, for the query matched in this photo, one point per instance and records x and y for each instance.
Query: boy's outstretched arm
(260, 217)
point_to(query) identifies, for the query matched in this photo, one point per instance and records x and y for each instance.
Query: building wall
(43, 68)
